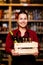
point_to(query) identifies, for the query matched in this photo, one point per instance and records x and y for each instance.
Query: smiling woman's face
(22, 20)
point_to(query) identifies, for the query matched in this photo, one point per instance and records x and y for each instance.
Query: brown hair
(23, 12)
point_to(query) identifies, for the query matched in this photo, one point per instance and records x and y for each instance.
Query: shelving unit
(8, 21)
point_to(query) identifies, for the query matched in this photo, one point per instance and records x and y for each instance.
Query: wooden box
(26, 48)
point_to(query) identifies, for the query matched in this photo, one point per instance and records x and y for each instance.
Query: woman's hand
(14, 53)
(36, 54)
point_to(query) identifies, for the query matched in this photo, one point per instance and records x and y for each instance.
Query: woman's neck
(22, 30)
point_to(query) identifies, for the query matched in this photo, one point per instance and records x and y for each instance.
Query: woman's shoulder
(15, 30)
(31, 31)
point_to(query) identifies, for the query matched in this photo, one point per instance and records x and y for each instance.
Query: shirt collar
(19, 33)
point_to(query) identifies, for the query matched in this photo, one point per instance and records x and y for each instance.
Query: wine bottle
(23, 39)
(30, 40)
(15, 40)
(13, 37)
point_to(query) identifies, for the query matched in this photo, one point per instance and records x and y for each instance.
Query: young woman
(21, 32)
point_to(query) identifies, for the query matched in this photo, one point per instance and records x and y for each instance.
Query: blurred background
(9, 10)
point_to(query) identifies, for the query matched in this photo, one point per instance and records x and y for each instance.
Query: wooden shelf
(41, 49)
(39, 32)
(35, 20)
(5, 59)
(2, 48)
(26, 5)
(4, 4)
(41, 60)
(4, 20)
(29, 20)
(4, 32)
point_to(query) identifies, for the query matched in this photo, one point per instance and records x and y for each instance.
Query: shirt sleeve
(36, 39)
(9, 43)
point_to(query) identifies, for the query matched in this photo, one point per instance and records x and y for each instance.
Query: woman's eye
(25, 18)
(20, 18)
